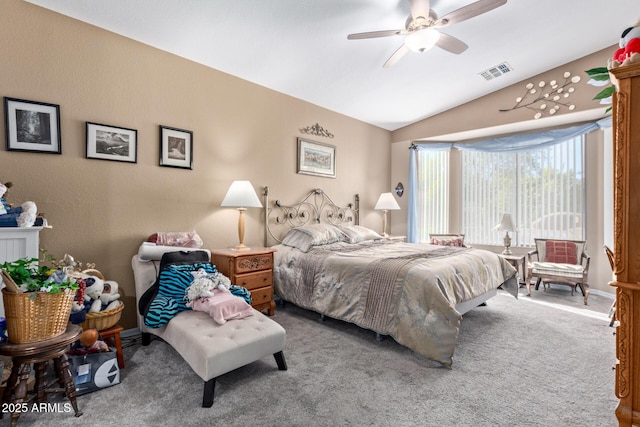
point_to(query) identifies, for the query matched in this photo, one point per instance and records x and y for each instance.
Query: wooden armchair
(564, 262)
(612, 310)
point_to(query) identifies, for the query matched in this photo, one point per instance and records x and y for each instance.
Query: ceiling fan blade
(451, 44)
(373, 34)
(419, 8)
(469, 11)
(402, 50)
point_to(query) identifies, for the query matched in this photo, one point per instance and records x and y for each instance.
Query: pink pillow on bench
(561, 252)
(222, 306)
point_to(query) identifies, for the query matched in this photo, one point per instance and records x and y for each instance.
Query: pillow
(173, 281)
(358, 233)
(222, 306)
(185, 239)
(561, 252)
(307, 236)
(448, 241)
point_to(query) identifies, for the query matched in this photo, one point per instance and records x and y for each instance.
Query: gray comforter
(407, 291)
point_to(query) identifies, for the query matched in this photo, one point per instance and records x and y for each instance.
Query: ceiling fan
(421, 28)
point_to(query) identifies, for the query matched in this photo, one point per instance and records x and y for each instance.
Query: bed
(416, 293)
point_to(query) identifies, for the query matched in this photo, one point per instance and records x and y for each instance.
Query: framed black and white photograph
(316, 158)
(32, 126)
(112, 143)
(176, 147)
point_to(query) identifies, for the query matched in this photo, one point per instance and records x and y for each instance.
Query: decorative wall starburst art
(547, 98)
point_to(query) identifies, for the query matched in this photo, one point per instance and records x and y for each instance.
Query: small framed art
(32, 126)
(176, 147)
(107, 142)
(316, 158)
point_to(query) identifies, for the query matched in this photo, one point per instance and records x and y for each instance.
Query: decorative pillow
(561, 252)
(173, 280)
(449, 241)
(358, 233)
(222, 306)
(185, 239)
(307, 236)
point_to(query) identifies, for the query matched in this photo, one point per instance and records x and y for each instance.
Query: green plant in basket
(34, 275)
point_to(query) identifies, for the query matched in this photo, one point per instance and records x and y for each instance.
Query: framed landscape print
(112, 143)
(176, 147)
(316, 158)
(32, 126)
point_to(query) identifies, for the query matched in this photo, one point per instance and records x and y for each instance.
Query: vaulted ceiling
(300, 47)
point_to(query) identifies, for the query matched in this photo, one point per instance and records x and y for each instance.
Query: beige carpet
(539, 361)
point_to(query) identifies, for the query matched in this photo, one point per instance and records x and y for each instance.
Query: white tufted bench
(209, 348)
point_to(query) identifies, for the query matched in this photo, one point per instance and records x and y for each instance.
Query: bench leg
(146, 338)
(207, 396)
(282, 364)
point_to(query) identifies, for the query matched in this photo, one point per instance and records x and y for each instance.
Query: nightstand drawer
(246, 264)
(261, 296)
(250, 281)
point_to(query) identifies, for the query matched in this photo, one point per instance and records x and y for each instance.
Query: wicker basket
(101, 320)
(35, 319)
(105, 319)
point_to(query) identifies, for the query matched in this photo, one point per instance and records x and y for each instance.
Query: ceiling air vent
(496, 71)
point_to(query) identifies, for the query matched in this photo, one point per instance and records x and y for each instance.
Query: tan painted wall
(102, 210)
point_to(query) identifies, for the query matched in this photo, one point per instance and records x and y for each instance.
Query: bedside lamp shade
(506, 224)
(241, 196)
(386, 202)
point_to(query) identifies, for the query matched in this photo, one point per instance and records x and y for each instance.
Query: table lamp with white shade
(506, 224)
(241, 196)
(386, 203)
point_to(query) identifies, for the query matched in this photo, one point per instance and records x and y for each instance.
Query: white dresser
(16, 243)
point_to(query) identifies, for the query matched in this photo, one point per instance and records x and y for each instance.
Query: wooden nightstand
(517, 261)
(252, 269)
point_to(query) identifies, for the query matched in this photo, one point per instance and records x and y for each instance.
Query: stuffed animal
(21, 216)
(100, 293)
(204, 283)
(629, 47)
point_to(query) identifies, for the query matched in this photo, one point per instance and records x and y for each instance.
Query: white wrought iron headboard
(314, 208)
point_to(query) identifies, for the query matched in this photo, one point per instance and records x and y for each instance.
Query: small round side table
(39, 354)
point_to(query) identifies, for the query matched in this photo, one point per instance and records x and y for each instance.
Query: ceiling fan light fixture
(422, 40)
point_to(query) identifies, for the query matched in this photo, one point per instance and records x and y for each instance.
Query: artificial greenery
(601, 74)
(32, 275)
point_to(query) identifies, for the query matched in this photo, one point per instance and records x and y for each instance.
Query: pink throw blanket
(222, 306)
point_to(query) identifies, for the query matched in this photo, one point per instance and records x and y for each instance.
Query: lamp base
(507, 244)
(240, 247)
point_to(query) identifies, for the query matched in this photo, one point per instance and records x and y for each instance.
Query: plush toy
(204, 283)
(629, 47)
(100, 293)
(89, 342)
(21, 216)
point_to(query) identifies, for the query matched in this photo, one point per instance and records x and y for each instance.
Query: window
(543, 189)
(432, 193)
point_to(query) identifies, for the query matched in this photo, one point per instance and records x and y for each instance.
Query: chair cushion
(561, 251)
(448, 241)
(558, 269)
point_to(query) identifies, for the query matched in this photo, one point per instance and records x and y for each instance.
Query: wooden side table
(517, 261)
(112, 336)
(39, 354)
(251, 269)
